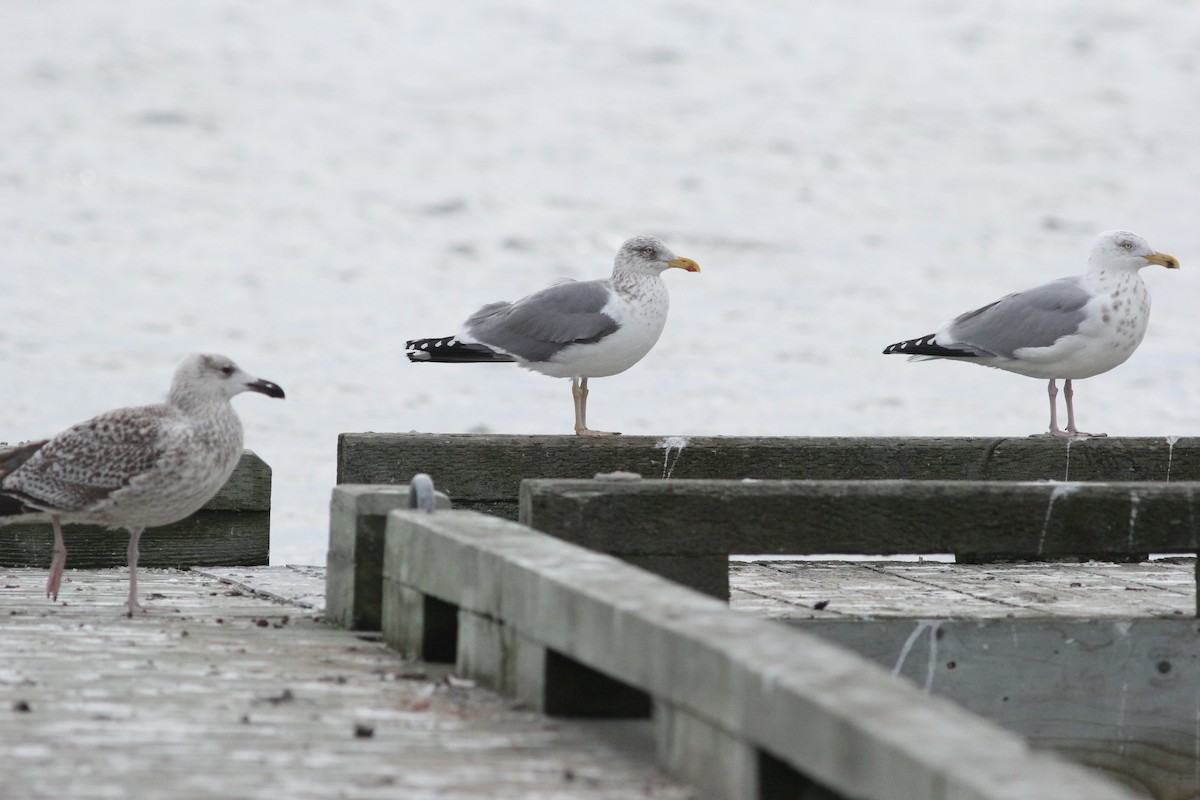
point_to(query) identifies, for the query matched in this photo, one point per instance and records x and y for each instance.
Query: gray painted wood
(483, 472)
(789, 696)
(234, 528)
(1121, 695)
(293, 584)
(1097, 661)
(357, 514)
(866, 590)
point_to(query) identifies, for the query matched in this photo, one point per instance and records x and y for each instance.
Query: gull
(1069, 329)
(135, 467)
(576, 329)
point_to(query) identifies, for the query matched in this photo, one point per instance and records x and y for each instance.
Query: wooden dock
(742, 707)
(221, 692)
(1098, 661)
(912, 679)
(862, 590)
(232, 687)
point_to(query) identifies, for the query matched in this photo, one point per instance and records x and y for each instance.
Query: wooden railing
(742, 707)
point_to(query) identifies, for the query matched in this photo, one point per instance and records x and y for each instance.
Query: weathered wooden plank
(820, 590)
(713, 675)
(354, 578)
(219, 693)
(296, 585)
(993, 518)
(483, 472)
(870, 590)
(233, 529)
(1119, 695)
(1097, 661)
(709, 520)
(211, 538)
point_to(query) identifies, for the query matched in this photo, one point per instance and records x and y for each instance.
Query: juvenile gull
(133, 468)
(576, 330)
(1071, 328)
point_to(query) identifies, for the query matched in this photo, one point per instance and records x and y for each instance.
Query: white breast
(1116, 322)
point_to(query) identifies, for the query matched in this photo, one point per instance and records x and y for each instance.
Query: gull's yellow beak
(692, 266)
(1162, 259)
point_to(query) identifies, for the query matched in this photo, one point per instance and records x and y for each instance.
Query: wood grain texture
(822, 710)
(357, 515)
(994, 518)
(930, 590)
(483, 472)
(1099, 662)
(219, 693)
(1117, 694)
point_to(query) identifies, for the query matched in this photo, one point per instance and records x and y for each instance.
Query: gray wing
(86, 463)
(1037, 317)
(540, 325)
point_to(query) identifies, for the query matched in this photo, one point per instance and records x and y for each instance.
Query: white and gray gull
(134, 468)
(576, 329)
(1071, 328)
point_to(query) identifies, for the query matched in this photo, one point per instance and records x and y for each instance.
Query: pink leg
(1054, 429)
(132, 604)
(577, 396)
(1069, 393)
(579, 391)
(58, 561)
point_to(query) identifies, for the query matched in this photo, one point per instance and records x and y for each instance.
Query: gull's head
(645, 253)
(1127, 250)
(208, 374)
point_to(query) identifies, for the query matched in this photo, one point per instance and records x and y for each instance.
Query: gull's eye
(650, 251)
(227, 370)
(1128, 245)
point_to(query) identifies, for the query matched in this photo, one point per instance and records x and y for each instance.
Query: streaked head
(1127, 250)
(207, 373)
(648, 253)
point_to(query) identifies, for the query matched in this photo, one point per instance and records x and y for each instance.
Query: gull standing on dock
(577, 329)
(1071, 328)
(133, 468)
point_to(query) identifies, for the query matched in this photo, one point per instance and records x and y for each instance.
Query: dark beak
(265, 387)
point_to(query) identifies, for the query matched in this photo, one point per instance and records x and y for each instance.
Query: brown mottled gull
(1071, 328)
(134, 468)
(576, 329)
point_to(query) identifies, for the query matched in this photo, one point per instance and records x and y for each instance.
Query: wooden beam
(993, 518)
(687, 529)
(354, 563)
(1118, 694)
(734, 696)
(483, 472)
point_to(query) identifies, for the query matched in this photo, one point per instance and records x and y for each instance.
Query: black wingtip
(926, 346)
(448, 350)
(12, 507)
